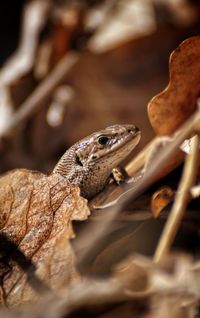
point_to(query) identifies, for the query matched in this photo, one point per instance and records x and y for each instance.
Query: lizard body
(89, 163)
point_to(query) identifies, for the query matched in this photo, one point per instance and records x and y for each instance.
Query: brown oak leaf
(35, 228)
(169, 109)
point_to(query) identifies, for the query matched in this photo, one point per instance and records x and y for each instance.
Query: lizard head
(109, 146)
(89, 162)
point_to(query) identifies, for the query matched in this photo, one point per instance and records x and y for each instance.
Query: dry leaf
(36, 214)
(161, 199)
(169, 109)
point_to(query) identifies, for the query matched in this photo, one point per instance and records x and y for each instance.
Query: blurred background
(115, 60)
(69, 68)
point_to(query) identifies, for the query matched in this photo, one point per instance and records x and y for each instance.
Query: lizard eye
(102, 140)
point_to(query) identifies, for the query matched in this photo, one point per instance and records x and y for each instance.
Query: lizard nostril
(133, 130)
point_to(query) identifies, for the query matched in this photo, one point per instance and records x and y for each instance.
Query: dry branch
(41, 92)
(181, 200)
(21, 62)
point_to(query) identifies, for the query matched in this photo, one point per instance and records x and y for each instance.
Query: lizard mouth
(128, 140)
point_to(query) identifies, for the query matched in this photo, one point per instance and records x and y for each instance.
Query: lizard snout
(134, 130)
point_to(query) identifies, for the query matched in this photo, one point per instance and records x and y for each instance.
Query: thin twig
(138, 162)
(181, 200)
(41, 92)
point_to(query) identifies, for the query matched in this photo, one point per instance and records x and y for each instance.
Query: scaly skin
(89, 163)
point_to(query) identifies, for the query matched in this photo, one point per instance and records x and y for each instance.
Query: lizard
(88, 164)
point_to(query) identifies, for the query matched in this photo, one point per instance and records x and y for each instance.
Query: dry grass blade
(138, 162)
(181, 200)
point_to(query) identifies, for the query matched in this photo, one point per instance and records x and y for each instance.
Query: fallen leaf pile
(132, 285)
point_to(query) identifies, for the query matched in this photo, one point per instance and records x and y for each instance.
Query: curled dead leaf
(36, 215)
(160, 200)
(169, 109)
